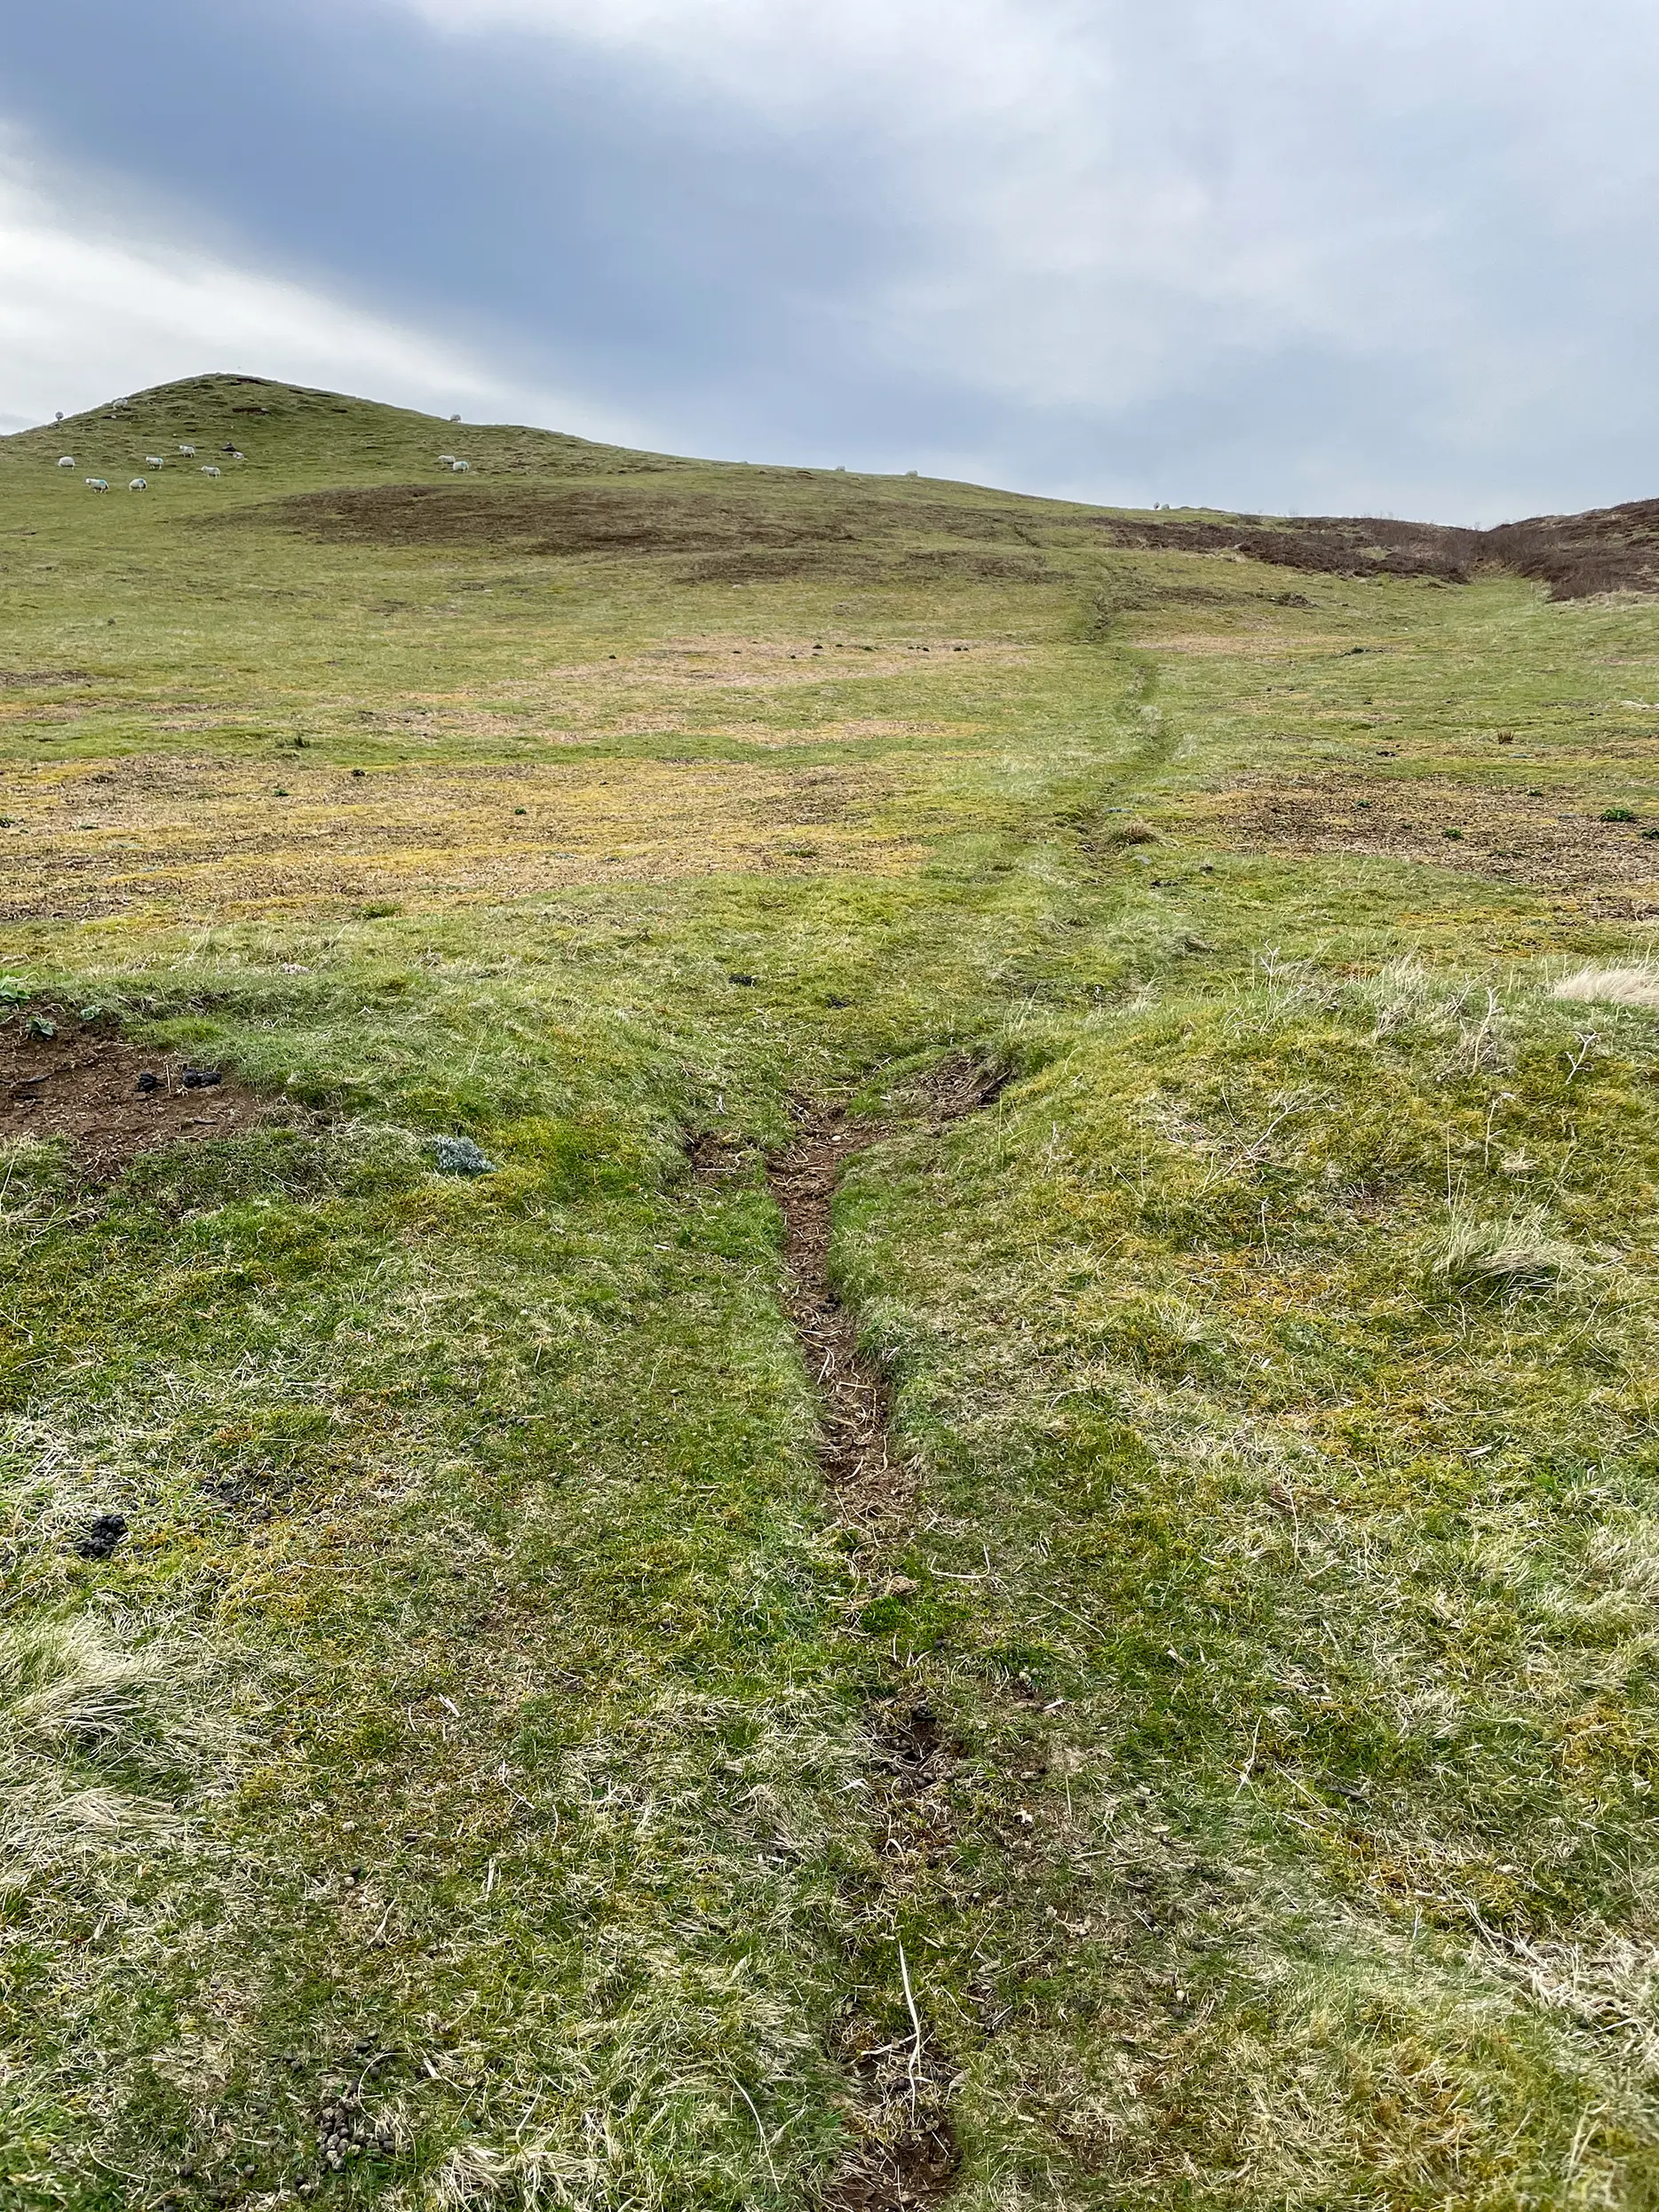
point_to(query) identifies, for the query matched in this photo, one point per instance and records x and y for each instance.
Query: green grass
(463, 1785)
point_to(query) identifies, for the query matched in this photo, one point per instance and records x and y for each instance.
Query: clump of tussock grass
(1602, 1982)
(36, 1184)
(1508, 1259)
(1409, 1004)
(1626, 1552)
(82, 1724)
(1611, 986)
(1403, 996)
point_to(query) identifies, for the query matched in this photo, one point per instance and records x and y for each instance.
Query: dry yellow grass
(221, 838)
(860, 730)
(1612, 986)
(1245, 644)
(1510, 834)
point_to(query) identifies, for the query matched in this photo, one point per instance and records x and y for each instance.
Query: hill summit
(299, 439)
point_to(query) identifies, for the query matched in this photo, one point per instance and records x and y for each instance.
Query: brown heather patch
(1502, 833)
(619, 519)
(213, 837)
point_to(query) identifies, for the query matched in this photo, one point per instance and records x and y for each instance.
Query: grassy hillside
(509, 1692)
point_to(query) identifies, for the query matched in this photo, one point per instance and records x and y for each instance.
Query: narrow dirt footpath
(907, 2156)
(870, 1490)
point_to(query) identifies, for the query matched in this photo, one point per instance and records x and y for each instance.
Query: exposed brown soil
(1505, 834)
(907, 2156)
(81, 1085)
(962, 1085)
(869, 1489)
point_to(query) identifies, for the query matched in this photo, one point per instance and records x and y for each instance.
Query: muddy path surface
(906, 2157)
(871, 1490)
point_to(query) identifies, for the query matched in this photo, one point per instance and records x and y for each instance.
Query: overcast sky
(1300, 256)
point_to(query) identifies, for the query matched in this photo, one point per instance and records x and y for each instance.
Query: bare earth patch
(83, 1085)
(1502, 833)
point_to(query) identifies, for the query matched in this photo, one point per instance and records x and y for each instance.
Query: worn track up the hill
(908, 2157)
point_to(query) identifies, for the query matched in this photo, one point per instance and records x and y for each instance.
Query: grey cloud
(1387, 255)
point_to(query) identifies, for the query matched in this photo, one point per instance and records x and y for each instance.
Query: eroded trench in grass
(906, 2153)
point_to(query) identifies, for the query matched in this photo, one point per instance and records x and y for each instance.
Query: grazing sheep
(446, 460)
(460, 467)
(138, 483)
(155, 460)
(96, 483)
(189, 451)
(208, 469)
(67, 461)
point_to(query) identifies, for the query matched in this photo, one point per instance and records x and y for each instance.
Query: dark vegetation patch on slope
(934, 564)
(1333, 545)
(615, 519)
(1613, 549)
(1610, 549)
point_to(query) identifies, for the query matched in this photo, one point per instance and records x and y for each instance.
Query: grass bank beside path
(486, 1766)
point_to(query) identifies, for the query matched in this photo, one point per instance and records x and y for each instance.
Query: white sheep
(446, 460)
(208, 469)
(138, 483)
(188, 450)
(460, 467)
(67, 461)
(96, 483)
(153, 460)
